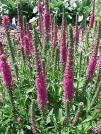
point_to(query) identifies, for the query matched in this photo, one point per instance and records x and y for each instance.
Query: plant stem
(12, 54)
(67, 113)
(95, 97)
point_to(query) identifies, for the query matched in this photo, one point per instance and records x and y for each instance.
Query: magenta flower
(5, 71)
(47, 20)
(91, 67)
(68, 84)
(63, 48)
(40, 8)
(40, 11)
(42, 98)
(76, 36)
(68, 79)
(5, 21)
(27, 46)
(92, 19)
(63, 52)
(40, 82)
(30, 35)
(21, 36)
(39, 23)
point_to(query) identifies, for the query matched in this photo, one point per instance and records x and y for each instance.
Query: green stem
(95, 97)
(43, 115)
(12, 102)
(67, 113)
(23, 56)
(98, 79)
(12, 54)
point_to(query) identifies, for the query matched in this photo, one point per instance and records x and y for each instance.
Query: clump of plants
(50, 74)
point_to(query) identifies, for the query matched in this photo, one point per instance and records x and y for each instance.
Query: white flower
(14, 21)
(80, 18)
(32, 20)
(35, 10)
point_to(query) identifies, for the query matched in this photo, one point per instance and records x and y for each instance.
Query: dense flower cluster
(68, 79)
(5, 21)
(92, 19)
(5, 71)
(63, 48)
(47, 20)
(40, 82)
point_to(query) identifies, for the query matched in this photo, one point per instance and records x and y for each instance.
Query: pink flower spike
(27, 46)
(5, 21)
(92, 19)
(91, 67)
(40, 8)
(40, 82)
(77, 36)
(5, 71)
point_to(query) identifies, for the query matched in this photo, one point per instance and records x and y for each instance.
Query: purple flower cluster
(92, 19)
(5, 71)
(91, 67)
(68, 84)
(40, 82)
(21, 36)
(63, 48)
(68, 79)
(40, 23)
(5, 21)
(40, 8)
(26, 41)
(40, 11)
(27, 46)
(76, 36)
(47, 20)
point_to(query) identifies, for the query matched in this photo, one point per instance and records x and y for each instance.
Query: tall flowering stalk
(32, 116)
(63, 48)
(30, 36)
(78, 113)
(92, 17)
(47, 20)
(99, 75)
(5, 23)
(68, 79)
(21, 31)
(91, 64)
(6, 71)
(7, 80)
(27, 46)
(40, 81)
(96, 95)
(20, 24)
(40, 11)
(54, 38)
(93, 59)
